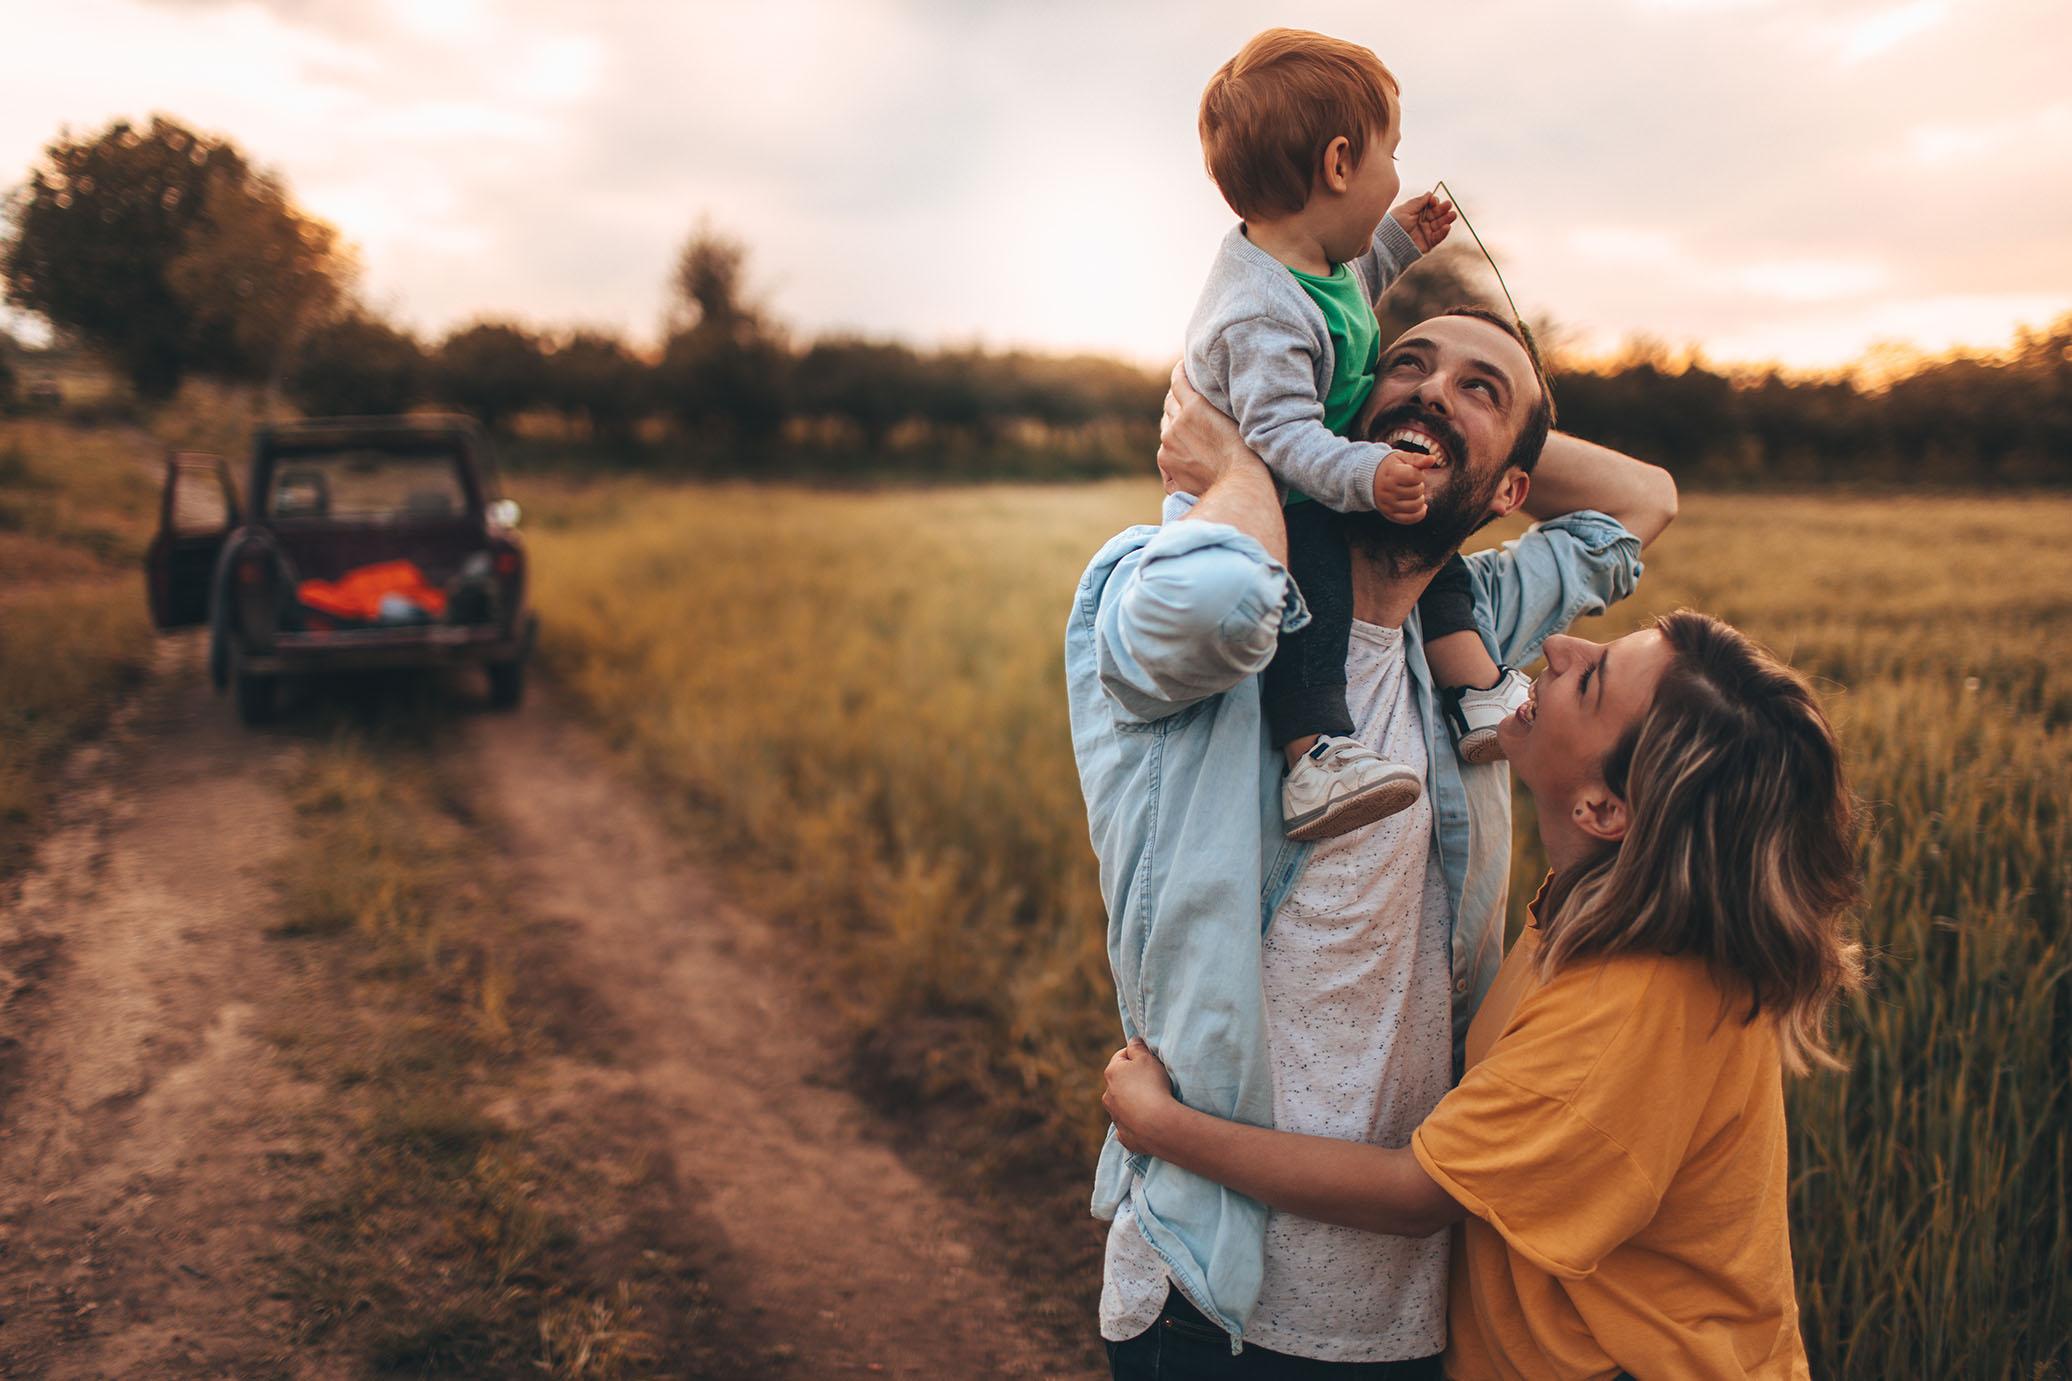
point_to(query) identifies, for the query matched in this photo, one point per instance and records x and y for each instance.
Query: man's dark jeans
(1304, 692)
(1183, 1346)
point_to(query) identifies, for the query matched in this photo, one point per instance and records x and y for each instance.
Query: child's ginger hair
(1270, 112)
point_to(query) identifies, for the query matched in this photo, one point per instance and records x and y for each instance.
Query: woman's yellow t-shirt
(1618, 1139)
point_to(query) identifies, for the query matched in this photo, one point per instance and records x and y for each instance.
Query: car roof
(313, 432)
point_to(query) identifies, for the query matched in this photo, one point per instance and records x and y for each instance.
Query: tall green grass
(1930, 1205)
(864, 691)
(865, 694)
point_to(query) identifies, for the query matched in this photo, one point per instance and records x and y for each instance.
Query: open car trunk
(375, 522)
(332, 550)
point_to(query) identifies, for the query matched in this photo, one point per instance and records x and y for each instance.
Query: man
(1345, 1018)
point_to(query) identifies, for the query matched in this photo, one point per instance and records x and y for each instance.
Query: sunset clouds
(1789, 180)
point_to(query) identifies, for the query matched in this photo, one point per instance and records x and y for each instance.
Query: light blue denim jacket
(1169, 630)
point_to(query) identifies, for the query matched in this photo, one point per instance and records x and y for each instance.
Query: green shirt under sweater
(1355, 345)
(1355, 340)
(1259, 350)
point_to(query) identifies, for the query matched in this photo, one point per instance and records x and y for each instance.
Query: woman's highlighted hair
(1742, 849)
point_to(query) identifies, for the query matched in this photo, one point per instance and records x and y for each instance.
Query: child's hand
(1426, 220)
(1399, 488)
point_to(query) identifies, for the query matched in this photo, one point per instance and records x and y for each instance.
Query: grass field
(78, 503)
(860, 694)
(74, 518)
(863, 694)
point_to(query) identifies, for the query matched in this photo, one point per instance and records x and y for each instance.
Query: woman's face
(1587, 696)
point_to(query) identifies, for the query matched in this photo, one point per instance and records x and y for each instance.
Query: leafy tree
(708, 289)
(167, 252)
(595, 376)
(492, 369)
(723, 365)
(357, 364)
(1453, 275)
(709, 379)
(961, 389)
(256, 275)
(1072, 390)
(873, 384)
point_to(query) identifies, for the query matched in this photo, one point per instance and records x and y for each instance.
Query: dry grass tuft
(74, 517)
(453, 1243)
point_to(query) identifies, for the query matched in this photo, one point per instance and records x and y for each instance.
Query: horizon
(544, 167)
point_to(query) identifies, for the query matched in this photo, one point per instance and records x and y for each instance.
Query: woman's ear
(1600, 814)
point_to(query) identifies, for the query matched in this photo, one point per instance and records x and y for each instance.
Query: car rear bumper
(369, 649)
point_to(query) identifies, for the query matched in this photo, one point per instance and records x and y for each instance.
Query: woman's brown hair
(1742, 846)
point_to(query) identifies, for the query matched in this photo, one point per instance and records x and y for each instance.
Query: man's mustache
(1414, 412)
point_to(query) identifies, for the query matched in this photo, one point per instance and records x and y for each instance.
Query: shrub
(358, 364)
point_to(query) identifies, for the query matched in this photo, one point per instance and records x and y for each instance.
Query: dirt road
(155, 1148)
(152, 1152)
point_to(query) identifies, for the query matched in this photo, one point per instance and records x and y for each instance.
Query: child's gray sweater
(1257, 348)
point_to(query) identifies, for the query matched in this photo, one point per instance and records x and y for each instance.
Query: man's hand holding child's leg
(1201, 453)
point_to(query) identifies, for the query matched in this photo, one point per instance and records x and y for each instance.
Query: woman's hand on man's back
(1139, 1093)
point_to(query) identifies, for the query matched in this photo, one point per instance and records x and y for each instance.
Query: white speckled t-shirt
(1359, 1015)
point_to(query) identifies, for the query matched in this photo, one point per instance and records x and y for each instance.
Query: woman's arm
(1374, 1188)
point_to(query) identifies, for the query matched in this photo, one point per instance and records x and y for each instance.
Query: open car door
(196, 512)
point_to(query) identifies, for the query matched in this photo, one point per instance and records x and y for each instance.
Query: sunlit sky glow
(1765, 179)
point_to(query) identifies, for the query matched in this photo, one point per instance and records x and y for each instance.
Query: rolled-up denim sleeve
(1189, 615)
(1561, 570)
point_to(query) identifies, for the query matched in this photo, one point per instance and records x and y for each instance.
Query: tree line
(1999, 418)
(168, 254)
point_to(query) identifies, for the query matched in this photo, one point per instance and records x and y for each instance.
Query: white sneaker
(1474, 714)
(1340, 785)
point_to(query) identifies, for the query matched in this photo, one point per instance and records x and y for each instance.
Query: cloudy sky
(1764, 178)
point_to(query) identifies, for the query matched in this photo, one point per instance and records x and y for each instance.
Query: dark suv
(369, 542)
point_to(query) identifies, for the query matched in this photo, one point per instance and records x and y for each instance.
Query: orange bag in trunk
(358, 593)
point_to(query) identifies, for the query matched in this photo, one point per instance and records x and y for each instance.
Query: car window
(366, 483)
(200, 506)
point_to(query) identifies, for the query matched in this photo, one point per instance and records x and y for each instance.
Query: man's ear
(1510, 492)
(1336, 169)
(1600, 814)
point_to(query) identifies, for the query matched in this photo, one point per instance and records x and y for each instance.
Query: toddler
(1299, 132)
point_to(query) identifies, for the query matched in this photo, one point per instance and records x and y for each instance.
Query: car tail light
(254, 606)
(508, 563)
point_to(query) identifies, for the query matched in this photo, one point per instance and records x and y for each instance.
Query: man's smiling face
(1463, 391)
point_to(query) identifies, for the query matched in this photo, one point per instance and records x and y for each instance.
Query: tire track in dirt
(846, 1259)
(153, 1149)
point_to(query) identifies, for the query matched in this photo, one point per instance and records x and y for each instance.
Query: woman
(1615, 1152)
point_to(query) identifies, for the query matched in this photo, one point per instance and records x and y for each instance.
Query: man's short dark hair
(1532, 437)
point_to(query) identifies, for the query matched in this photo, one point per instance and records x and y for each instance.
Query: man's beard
(1453, 512)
